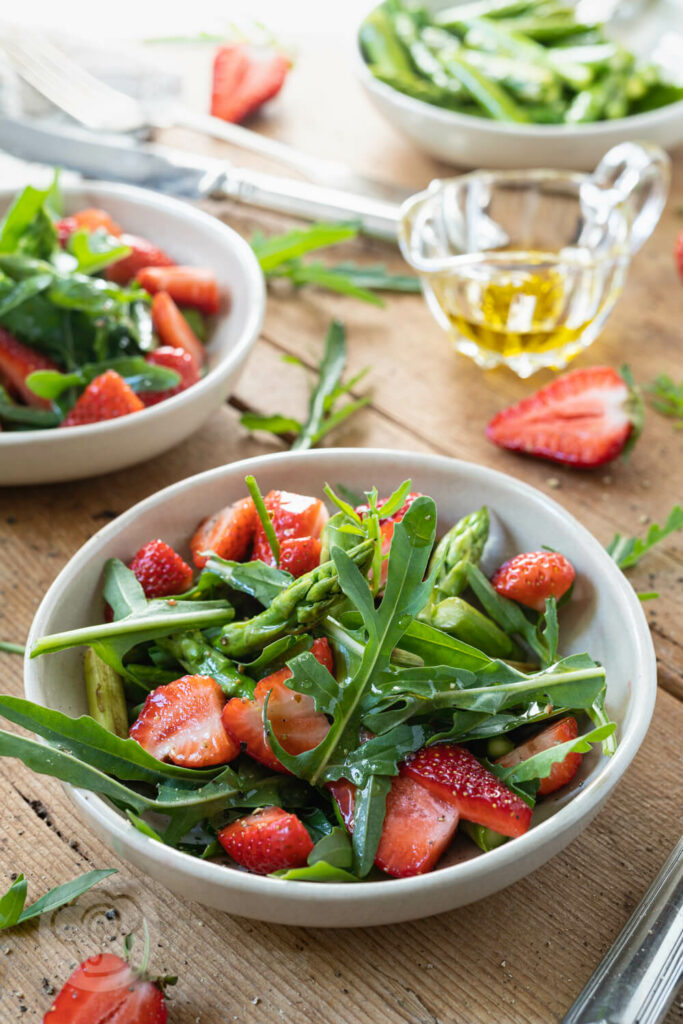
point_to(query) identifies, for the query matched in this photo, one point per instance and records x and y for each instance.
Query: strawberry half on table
(244, 79)
(585, 418)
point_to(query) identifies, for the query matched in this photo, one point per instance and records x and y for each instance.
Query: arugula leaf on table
(627, 551)
(323, 415)
(667, 398)
(278, 249)
(12, 905)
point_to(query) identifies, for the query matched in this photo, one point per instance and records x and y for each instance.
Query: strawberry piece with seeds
(17, 361)
(561, 772)
(292, 516)
(295, 721)
(106, 398)
(174, 330)
(160, 570)
(90, 219)
(532, 577)
(187, 286)
(174, 359)
(181, 722)
(107, 990)
(243, 81)
(584, 419)
(452, 773)
(228, 533)
(299, 555)
(143, 254)
(268, 840)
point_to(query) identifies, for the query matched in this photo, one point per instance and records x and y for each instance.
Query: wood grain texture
(520, 957)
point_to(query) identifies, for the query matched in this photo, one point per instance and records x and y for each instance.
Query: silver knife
(188, 175)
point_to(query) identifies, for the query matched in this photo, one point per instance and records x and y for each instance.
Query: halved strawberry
(296, 723)
(244, 80)
(106, 990)
(106, 398)
(292, 515)
(144, 254)
(160, 570)
(299, 555)
(418, 826)
(678, 255)
(584, 418)
(268, 840)
(562, 772)
(173, 329)
(17, 361)
(454, 774)
(174, 359)
(181, 722)
(187, 286)
(90, 219)
(228, 533)
(533, 576)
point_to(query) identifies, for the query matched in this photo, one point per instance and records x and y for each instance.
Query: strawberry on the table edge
(562, 772)
(584, 418)
(243, 81)
(268, 840)
(17, 361)
(187, 286)
(418, 825)
(293, 717)
(533, 576)
(105, 989)
(452, 773)
(181, 722)
(228, 533)
(173, 359)
(292, 516)
(106, 398)
(160, 570)
(173, 329)
(143, 254)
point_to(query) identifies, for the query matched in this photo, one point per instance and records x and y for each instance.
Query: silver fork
(98, 106)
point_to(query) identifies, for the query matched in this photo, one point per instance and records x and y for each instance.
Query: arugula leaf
(667, 398)
(318, 872)
(25, 415)
(139, 374)
(627, 551)
(12, 909)
(12, 903)
(27, 226)
(541, 636)
(275, 424)
(375, 276)
(369, 810)
(258, 580)
(95, 250)
(21, 291)
(334, 848)
(323, 277)
(278, 249)
(540, 765)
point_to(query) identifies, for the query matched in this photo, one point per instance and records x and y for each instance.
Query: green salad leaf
(12, 905)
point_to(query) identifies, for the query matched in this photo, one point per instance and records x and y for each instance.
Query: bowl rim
(255, 290)
(588, 799)
(521, 130)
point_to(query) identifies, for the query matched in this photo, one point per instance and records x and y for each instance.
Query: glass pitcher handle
(634, 175)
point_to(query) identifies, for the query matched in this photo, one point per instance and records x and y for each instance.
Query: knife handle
(638, 979)
(312, 202)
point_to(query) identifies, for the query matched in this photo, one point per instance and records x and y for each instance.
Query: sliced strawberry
(17, 361)
(678, 255)
(583, 418)
(562, 772)
(292, 515)
(228, 533)
(299, 555)
(160, 570)
(90, 219)
(144, 254)
(187, 286)
(107, 990)
(243, 81)
(296, 723)
(268, 840)
(106, 398)
(174, 359)
(173, 328)
(531, 577)
(181, 722)
(454, 774)
(418, 826)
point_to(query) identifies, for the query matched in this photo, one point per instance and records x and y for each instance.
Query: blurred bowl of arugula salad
(125, 317)
(339, 705)
(523, 83)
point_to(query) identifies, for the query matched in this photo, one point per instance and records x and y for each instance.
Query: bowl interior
(604, 616)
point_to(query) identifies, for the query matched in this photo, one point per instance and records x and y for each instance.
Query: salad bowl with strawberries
(125, 317)
(339, 687)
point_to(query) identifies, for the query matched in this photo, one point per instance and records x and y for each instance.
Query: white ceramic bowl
(190, 236)
(604, 618)
(468, 141)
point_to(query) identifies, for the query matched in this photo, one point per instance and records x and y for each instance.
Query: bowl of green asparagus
(523, 83)
(399, 677)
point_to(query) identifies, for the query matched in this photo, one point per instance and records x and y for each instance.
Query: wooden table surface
(520, 956)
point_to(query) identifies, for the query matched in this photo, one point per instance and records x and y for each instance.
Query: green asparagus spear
(485, 838)
(196, 655)
(304, 603)
(463, 543)
(106, 697)
(461, 620)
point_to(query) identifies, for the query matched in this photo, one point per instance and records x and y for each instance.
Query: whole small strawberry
(160, 570)
(268, 840)
(532, 577)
